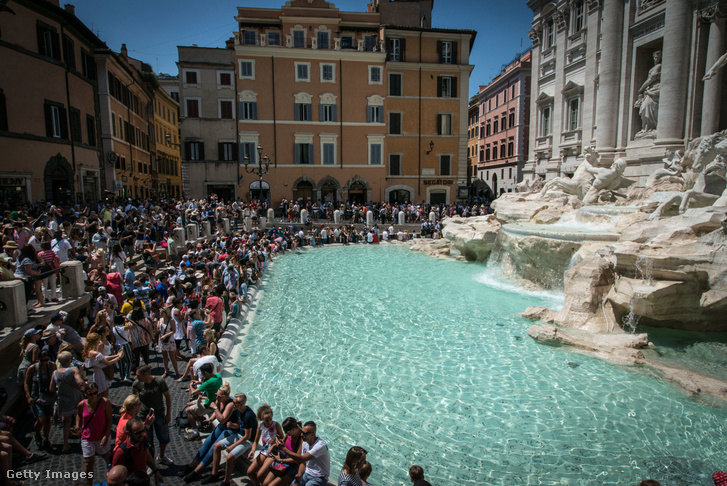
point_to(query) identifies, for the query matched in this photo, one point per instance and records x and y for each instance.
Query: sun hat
(11, 245)
(48, 332)
(31, 332)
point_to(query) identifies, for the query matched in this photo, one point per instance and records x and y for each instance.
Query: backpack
(127, 453)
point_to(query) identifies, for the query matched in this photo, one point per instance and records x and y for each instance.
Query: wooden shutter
(297, 112)
(389, 48)
(64, 122)
(48, 119)
(234, 151)
(369, 114)
(296, 154)
(310, 153)
(321, 112)
(254, 110)
(201, 150)
(440, 49)
(334, 113)
(439, 124)
(439, 86)
(221, 151)
(188, 149)
(454, 86)
(455, 59)
(402, 49)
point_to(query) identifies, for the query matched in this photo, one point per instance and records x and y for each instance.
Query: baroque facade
(624, 76)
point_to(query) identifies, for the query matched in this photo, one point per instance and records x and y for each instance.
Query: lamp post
(263, 164)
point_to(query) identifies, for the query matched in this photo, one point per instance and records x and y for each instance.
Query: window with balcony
(273, 38)
(369, 43)
(347, 42)
(298, 38)
(323, 40)
(249, 37)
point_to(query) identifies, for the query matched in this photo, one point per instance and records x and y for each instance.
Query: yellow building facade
(167, 170)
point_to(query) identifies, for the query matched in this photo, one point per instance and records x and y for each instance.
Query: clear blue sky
(152, 29)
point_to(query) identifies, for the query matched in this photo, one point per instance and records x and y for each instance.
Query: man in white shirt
(314, 458)
(194, 364)
(61, 246)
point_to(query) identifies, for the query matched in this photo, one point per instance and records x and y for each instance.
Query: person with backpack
(134, 452)
(40, 400)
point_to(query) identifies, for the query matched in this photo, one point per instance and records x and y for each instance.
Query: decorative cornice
(534, 37)
(593, 4)
(648, 26)
(713, 12)
(559, 17)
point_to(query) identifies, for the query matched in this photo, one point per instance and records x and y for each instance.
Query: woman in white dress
(94, 358)
(166, 341)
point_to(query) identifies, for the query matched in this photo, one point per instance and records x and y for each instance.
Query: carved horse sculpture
(697, 196)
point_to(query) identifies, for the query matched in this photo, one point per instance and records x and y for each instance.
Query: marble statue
(579, 184)
(606, 180)
(672, 167)
(721, 62)
(698, 196)
(528, 185)
(648, 100)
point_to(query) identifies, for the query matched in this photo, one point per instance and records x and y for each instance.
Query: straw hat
(11, 245)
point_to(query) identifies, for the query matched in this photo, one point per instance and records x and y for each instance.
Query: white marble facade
(626, 77)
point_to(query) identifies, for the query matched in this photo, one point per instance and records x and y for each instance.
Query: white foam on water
(492, 277)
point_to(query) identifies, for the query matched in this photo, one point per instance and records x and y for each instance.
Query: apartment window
(346, 42)
(502, 152)
(175, 96)
(91, 130)
(494, 151)
(445, 163)
(141, 167)
(482, 154)
(249, 37)
(69, 53)
(374, 74)
(548, 34)
(394, 84)
(224, 109)
(329, 153)
(88, 65)
(375, 151)
(447, 52)
(273, 38)
(192, 106)
(503, 121)
(510, 147)
(578, 16)
(191, 77)
(446, 87)
(487, 152)
(75, 118)
(227, 151)
(224, 79)
(323, 40)
(375, 114)
(327, 113)
(248, 110)
(369, 43)
(121, 128)
(303, 153)
(573, 113)
(249, 150)
(512, 91)
(298, 38)
(495, 124)
(394, 164)
(545, 121)
(195, 150)
(303, 112)
(55, 120)
(302, 71)
(48, 44)
(488, 129)
(247, 70)
(128, 133)
(511, 118)
(510, 173)
(394, 123)
(328, 73)
(113, 124)
(395, 50)
(3, 111)
(444, 124)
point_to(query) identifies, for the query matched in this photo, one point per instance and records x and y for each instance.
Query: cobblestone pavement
(179, 450)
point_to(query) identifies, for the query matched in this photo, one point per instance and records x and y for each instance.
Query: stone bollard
(192, 233)
(337, 216)
(271, 216)
(303, 216)
(206, 228)
(261, 223)
(248, 224)
(72, 284)
(14, 309)
(432, 217)
(402, 217)
(226, 225)
(370, 218)
(179, 239)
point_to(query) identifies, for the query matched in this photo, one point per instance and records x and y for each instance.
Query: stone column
(713, 87)
(337, 216)
(674, 72)
(15, 311)
(72, 284)
(609, 82)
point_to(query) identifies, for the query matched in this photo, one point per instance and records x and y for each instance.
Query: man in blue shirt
(162, 287)
(129, 278)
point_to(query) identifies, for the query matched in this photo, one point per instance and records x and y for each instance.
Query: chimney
(70, 9)
(124, 51)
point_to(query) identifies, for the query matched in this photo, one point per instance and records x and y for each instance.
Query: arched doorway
(329, 192)
(357, 192)
(58, 177)
(256, 194)
(303, 192)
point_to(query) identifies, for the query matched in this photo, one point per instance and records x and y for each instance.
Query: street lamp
(260, 170)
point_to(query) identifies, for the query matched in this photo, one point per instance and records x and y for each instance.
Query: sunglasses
(305, 434)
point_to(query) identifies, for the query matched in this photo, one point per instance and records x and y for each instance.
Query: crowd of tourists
(153, 299)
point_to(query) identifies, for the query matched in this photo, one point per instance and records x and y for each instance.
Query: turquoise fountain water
(425, 361)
